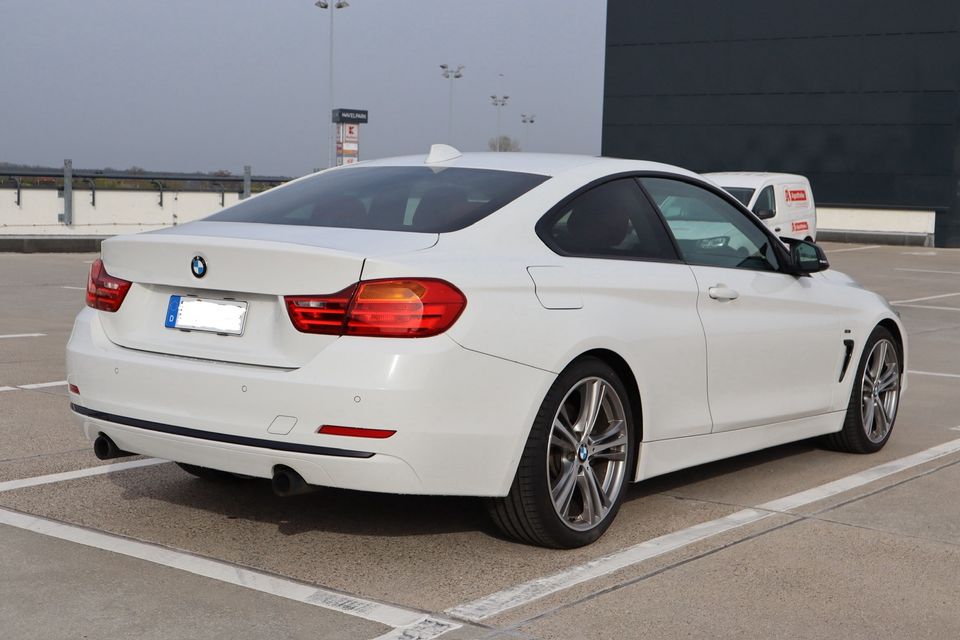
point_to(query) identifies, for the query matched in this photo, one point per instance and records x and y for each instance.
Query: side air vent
(847, 354)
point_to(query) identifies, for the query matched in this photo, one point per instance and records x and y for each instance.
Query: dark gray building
(861, 96)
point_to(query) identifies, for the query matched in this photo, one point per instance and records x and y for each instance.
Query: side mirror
(765, 214)
(806, 256)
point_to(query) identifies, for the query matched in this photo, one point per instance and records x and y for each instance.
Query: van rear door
(799, 217)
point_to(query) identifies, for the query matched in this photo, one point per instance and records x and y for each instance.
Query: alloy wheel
(587, 453)
(880, 391)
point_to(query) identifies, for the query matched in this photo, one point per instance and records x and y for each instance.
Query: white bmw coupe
(538, 330)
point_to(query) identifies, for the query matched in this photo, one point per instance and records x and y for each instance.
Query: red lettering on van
(796, 195)
(802, 225)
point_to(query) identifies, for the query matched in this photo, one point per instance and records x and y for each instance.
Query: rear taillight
(320, 314)
(105, 292)
(402, 308)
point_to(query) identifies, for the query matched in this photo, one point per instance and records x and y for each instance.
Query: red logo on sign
(796, 195)
(800, 226)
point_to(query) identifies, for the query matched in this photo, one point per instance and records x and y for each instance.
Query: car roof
(546, 164)
(751, 179)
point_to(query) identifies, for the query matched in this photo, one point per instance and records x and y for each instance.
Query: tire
(211, 475)
(588, 473)
(871, 416)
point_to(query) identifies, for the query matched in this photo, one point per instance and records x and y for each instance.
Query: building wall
(863, 97)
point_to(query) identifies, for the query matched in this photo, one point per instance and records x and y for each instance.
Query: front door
(773, 351)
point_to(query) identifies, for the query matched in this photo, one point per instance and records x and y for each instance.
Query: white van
(782, 200)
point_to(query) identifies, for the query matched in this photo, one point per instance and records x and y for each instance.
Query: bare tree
(506, 144)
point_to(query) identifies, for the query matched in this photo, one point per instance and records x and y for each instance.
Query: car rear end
(247, 347)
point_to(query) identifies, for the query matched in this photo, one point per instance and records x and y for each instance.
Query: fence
(104, 203)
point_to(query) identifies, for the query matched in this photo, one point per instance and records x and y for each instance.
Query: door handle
(722, 292)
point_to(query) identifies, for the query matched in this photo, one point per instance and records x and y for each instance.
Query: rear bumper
(461, 418)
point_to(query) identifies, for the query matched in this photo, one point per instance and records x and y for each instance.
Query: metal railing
(64, 179)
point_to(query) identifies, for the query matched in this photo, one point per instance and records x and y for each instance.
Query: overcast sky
(187, 85)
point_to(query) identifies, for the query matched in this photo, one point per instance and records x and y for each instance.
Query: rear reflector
(104, 292)
(409, 308)
(74, 389)
(355, 432)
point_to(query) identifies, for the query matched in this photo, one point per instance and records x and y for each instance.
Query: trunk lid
(253, 263)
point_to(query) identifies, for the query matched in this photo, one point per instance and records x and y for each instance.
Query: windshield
(741, 193)
(423, 199)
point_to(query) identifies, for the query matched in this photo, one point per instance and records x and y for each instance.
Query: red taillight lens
(320, 314)
(404, 308)
(355, 432)
(105, 292)
(412, 308)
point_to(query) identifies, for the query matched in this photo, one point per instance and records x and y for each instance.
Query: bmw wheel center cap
(198, 266)
(582, 453)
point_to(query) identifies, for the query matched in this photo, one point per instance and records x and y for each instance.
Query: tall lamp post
(499, 102)
(527, 119)
(323, 4)
(451, 74)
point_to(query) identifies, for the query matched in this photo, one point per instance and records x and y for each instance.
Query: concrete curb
(50, 244)
(91, 244)
(876, 237)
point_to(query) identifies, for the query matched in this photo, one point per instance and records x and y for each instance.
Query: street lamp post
(527, 119)
(499, 102)
(323, 4)
(451, 74)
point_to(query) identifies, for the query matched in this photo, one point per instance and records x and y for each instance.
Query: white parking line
(931, 373)
(392, 616)
(35, 385)
(43, 385)
(927, 306)
(74, 288)
(527, 592)
(406, 624)
(11, 485)
(23, 335)
(942, 295)
(872, 246)
(952, 273)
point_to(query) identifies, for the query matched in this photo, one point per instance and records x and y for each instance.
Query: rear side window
(422, 199)
(612, 220)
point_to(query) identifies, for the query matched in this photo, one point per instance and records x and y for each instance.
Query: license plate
(202, 314)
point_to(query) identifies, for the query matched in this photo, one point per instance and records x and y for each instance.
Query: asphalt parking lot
(793, 541)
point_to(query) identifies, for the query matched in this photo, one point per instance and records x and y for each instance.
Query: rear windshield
(740, 193)
(420, 199)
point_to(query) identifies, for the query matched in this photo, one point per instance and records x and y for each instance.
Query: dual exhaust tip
(106, 449)
(286, 482)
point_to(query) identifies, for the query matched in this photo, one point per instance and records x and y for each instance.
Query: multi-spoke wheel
(874, 399)
(587, 456)
(574, 468)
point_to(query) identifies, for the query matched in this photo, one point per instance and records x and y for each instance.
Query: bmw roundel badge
(198, 266)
